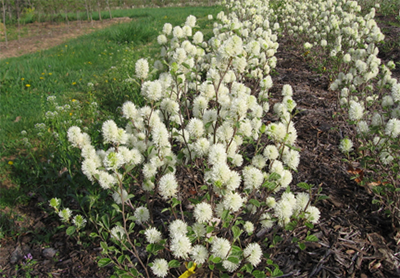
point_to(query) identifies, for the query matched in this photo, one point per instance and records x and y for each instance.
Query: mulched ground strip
(356, 240)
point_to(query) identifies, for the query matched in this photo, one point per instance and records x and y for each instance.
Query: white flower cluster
(368, 92)
(200, 109)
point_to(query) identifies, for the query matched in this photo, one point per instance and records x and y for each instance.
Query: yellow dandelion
(50, 73)
(10, 162)
(42, 73)
(73, 100)
(42, 77)
(70, 114)
(66, 45)
(115, 78)
(73, 83)
(106, 81)
(27, 85)
(22, 79)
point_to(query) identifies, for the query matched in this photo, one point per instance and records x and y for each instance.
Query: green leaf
(175, 202)
(210, 229)
(234, 260)
(236, 251)
(305, 185)
(204, 187)
(277, 272)
(71, 230)
(211, 266)
(254, 202)
(225, 215)
(121, 259)
(173, 264)
(93, 235)
(104, 245)
(291, 226)
(302, 246)
(322, 197)
(258, 274)
(274, 176)
(312, 238)
(104, 262)
(106, 221)
(236, 232)
(309, 225)
(216, 260)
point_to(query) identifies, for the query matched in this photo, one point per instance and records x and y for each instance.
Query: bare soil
(44, 35)
(356, 238)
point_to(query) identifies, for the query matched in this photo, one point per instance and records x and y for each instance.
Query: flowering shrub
(368, 95)
(195, 175)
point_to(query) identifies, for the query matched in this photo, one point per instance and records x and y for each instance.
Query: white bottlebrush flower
(230, 266)
(110, 131)
(79, 221)
(276, 131)
(291, 158)
(198, 37)
(253, 253)
(195, 127)
(385, 158)
(393, 128)
(113, 160)
(187, 31)
(258, 161)
(148, 185)
(153, 235)
(233, 201)
(167, 29)
(89, 168)
(177, 32)
(313, 214)
(160, 267)
(396, 92)
(65, 214)
(346, 145)
(118, 233)
(217, 154)
(356, 110)
(119, 196)
(152, 90)
(142, 68)
(177, 228)
(220, 247)
(387, 101)
(191, 21)
(168, 186)
(202, 146)
(129, 110)
(199, 254)
(106, 180)
(302, 200)
(142, 215)
(248, 227)
(362, 127)
(271, 152)
(181, 246)
(162, 39)
(199, 229)
(270, 202)
(203, 212)
(266, 220)
(252, 177)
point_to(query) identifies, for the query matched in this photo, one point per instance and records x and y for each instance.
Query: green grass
(64, 71)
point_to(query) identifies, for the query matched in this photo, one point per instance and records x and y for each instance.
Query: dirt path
(45, 35)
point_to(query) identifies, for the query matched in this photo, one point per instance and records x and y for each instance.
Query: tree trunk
(98, 7)
(108, 7)
(4, 23)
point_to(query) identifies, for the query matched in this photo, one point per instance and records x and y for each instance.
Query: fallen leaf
(17, 119)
